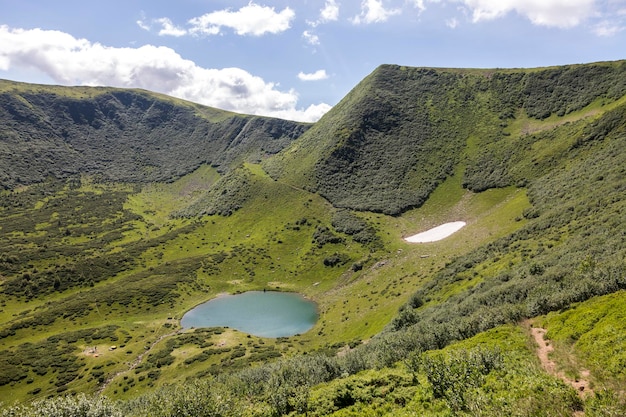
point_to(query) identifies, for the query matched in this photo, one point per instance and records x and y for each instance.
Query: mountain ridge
(112, 132)
(389, 161)
(95, 269)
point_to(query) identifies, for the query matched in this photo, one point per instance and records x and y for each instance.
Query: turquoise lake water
(259, 313)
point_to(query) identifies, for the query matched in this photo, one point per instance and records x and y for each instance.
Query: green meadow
(99, 261)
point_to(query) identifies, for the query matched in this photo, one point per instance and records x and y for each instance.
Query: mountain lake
(259, 313)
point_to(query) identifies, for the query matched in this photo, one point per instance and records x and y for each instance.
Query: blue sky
(291, 59)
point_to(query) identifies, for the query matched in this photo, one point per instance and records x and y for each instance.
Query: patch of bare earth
(529, 127)
(544, 348)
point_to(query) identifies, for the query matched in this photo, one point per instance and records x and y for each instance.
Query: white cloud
(330, 12)
(420, 5)
(311, 37)
(607, 28)
(311, 114)
(611, 21)
(373, 11)
(602, 17)
(249, 20)
(313, 76)
(168, 28)
(142, 24)
(452, 23)
(72, 61)
(556, 13)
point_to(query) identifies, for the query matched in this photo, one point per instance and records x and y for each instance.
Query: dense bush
(78, 406)
(344, 221)
(337, 259)
(453, 378)
(323, 235)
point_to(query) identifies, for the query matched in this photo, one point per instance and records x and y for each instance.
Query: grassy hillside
(532, 160)
(402, 131)
(123, 135)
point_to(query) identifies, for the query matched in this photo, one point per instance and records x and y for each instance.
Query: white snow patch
(436, 233)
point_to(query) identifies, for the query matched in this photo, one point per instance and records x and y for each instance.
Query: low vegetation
(98, 264)
(124, 135)
(402, 131)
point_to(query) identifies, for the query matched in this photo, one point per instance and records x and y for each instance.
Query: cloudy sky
(291, 59)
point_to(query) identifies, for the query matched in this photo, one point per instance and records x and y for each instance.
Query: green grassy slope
(571, 249)
(533, 161)
(402, 131)
(123, 135)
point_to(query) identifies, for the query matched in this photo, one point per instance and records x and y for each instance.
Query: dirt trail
(544, 347)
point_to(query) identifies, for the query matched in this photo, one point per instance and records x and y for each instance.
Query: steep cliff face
(123, 135)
